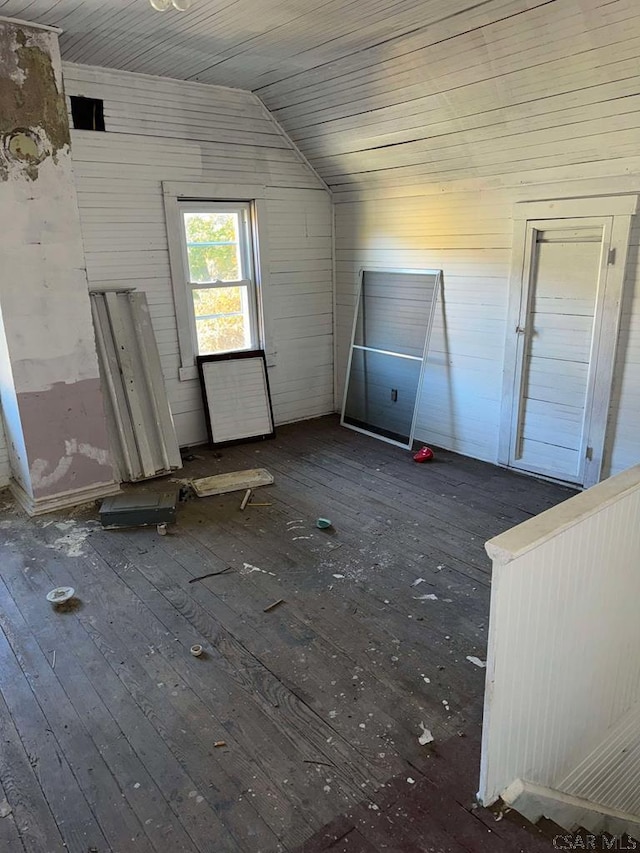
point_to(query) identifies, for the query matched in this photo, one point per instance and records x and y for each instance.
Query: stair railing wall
(563, 666)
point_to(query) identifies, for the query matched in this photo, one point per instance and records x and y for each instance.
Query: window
(219, 269)
(219, 275)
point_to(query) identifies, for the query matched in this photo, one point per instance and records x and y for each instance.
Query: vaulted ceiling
(380, 91)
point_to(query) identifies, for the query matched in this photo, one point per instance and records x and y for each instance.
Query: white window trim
(620, 210)
(204, 191)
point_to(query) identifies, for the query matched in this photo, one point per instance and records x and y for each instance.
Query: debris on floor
(220, 743)
(323, 523)
(245, 499)
(274, 605)
(235, 481)
(72, 543)
(139, 509)
(425, 454)
(248, 569)
(426, 736)
(211, 575)
(474, 660)
(196, 650)
(60, 594)
(5, 808)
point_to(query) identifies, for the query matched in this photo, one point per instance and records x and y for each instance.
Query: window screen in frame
(391, 332)
(220, 276)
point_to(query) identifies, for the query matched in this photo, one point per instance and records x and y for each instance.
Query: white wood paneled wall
(460, 405)
(167, 130)
(563, 670)
(428, 139)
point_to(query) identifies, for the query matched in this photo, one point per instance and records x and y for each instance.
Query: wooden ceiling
(380, 92)
(241, 43)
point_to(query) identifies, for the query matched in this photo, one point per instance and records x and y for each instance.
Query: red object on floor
(423, 455)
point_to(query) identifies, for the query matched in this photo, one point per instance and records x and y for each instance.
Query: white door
(558, 333)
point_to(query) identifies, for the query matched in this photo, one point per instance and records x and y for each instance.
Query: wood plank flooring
(297, 730)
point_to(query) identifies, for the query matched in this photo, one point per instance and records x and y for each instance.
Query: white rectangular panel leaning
(237, 399)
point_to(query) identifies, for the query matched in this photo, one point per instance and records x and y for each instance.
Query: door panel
(557, 318)
(567, 282)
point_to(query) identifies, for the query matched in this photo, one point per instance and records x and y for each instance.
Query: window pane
(213, 246)
(217, 300)
(222, 319)
(221, 335)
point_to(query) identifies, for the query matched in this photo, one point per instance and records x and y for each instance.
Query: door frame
(618, 210)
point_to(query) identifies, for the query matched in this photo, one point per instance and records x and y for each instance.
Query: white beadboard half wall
(160, 130)
(428, 139)
(562, 699)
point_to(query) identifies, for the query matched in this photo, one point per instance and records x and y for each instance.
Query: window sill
(186, 374)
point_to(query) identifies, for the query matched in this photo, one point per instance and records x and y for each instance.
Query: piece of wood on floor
(235, 481)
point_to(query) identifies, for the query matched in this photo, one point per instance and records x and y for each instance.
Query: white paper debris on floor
(247, 569)
(411, 781)
(338, 576)
(426, 736)
(72, 543)
(417, 581)
(476, 661)
(430, 597)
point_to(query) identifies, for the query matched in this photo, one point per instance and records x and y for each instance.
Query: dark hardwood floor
(298, 728)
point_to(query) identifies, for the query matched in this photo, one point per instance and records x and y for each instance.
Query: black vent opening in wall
(87, 113)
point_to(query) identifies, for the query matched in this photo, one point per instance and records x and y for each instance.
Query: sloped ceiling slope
(378, 93)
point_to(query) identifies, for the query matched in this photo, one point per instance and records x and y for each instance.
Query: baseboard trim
(39, 506)
(537, 801)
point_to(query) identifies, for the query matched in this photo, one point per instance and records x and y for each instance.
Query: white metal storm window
(219, 274)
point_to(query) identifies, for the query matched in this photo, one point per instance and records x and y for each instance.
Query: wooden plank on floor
(113, 814)
(237, 658)
(74, 659)
(184, 724)
(319, 616)
(21, 781)
(9, 836)
(78, 826)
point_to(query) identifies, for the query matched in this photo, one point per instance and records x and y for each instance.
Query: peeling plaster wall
(49, 377)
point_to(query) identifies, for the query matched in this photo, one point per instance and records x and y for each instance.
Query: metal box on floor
(139, 509)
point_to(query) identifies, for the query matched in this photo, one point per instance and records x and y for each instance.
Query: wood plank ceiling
(390, 92)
